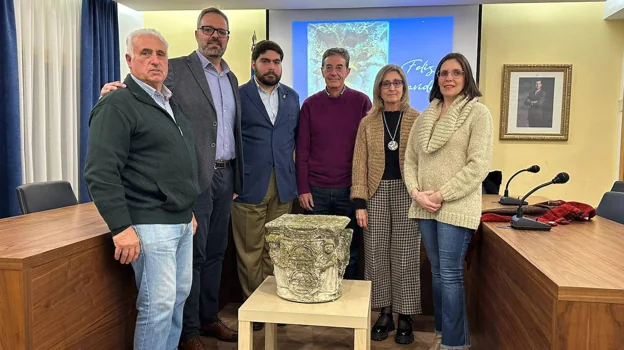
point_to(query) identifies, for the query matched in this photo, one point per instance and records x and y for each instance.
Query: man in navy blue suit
(269, 119)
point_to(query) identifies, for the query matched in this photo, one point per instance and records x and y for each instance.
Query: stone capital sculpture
(310, 254)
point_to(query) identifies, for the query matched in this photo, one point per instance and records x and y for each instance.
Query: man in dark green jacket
(141, 170)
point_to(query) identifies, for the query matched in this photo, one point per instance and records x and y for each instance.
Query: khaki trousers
(252, 251)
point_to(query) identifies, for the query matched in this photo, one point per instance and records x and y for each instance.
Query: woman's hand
(424, 201)
(362, 218)
(436, 198)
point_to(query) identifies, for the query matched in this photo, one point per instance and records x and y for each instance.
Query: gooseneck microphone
(505, 199)
(521, 223)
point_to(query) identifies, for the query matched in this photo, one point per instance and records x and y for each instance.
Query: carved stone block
(310, 254)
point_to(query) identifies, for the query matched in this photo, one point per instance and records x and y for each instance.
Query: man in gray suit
(207, 92)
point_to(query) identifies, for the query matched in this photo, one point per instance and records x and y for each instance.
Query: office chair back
(40, 196)
(492, 183)
(618, 186)
(612, 206)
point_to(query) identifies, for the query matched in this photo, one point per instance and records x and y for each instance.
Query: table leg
(368, 330)
(270, 336)
(245, 335)
(362, 339)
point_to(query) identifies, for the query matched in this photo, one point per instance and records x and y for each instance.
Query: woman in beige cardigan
(448, 156)
(391, 240)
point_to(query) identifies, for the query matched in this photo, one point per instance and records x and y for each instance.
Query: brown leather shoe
(192, 344)
(220, 331)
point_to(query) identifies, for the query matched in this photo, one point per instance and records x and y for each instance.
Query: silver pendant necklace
(392, 145)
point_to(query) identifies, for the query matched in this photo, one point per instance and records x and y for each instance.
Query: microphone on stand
(505, 199)
(521, 223)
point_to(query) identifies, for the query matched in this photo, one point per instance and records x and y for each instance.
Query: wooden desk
(351, 310)
(60, 287)
(559, 289)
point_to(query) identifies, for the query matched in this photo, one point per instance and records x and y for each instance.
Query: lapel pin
(284, 96)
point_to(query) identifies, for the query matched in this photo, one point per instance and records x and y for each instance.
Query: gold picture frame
(535, 102)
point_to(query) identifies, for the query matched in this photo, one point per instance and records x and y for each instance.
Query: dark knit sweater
(140, 164)
(326, 138)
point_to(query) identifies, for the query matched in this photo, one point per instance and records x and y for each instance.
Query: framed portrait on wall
(535, 102)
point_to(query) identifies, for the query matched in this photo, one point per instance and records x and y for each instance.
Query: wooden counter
(559, 289)
(60, 287)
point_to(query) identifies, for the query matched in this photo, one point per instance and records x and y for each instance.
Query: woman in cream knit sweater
(391, 239)
(447, 158)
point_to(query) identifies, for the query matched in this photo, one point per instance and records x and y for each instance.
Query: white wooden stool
(351, 310)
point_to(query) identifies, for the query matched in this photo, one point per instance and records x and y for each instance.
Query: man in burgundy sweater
(328, 125)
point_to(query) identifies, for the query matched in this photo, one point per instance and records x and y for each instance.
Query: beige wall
(560, 33)
(178, 28)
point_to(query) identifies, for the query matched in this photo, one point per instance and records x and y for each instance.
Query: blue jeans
(446, 247)
(336, 201)
(163, 275)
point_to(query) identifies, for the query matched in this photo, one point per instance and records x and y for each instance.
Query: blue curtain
(99, 64)
(10, 144)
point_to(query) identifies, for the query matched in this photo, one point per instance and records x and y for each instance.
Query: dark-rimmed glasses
(396, 83)
(455, 73)
(208, 30)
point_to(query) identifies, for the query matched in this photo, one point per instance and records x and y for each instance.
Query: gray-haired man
(141, 170)
(207, 91)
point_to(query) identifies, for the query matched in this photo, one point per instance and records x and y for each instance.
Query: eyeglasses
(455, 73)
(208, 30)
(396, 83)
(328, 68)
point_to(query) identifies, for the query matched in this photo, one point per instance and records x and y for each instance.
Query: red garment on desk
(559, 213)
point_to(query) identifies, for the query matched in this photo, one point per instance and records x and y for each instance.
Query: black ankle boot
(383, 326)
(405, 334)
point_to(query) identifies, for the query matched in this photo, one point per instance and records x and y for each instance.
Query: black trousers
(212, 212)
(336, 201)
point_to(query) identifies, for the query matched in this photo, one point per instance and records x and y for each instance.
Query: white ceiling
(172, 5)
(614, 9)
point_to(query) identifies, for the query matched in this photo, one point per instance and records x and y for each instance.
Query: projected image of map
(415, 44)
(367, 43)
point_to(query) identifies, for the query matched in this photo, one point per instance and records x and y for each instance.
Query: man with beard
(270, 116)
(207, 92)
